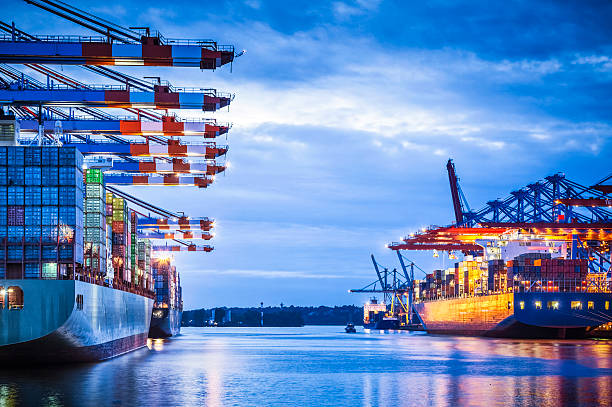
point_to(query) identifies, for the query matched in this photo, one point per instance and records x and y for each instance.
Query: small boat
(350, 328)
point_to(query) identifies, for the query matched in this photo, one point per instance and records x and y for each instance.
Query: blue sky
(345, 115)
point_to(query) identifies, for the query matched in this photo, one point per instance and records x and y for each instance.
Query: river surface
(323, 366)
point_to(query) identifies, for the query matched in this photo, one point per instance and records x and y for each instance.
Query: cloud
(267, 274)
(599, 62)
(253, 4)
(345, 115)
(113, 11)
(344, 11)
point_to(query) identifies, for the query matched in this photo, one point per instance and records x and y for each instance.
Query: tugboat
(350, 328)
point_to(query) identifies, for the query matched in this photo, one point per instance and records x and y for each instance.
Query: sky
(345, 115)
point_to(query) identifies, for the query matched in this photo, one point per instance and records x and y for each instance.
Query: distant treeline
(274, 316)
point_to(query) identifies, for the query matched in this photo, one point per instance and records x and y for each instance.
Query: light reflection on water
(323, 366)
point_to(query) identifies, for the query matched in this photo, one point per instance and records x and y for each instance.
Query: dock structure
(546, 246)
(124, 130)
(86, 269)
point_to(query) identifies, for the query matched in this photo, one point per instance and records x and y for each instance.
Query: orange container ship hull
(518, 315)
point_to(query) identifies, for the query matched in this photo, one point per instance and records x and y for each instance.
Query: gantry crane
(156, 222)
(168, 147)
(116, 46)
(395, 288)
(145, 148)
(555, 208)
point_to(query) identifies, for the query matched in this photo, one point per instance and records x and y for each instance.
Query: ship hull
(165, 322)
(53, 328)
(383, 325)
(517, 315)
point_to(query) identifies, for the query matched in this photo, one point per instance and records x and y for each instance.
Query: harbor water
(323, 366)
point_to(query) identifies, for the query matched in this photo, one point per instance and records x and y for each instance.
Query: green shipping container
(93, 176)
(49, 270)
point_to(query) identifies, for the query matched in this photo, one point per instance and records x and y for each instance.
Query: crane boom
(382, 285)
(454, 187)
(401, 260)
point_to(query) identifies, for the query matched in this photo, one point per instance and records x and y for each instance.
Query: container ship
(71, 288)
(168, 307)
(531, 296)
(536, 264)
(376, 316)
(76, 263)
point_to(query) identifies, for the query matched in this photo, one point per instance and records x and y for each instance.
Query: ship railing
(563, 285)
(55, 38)
(204, 43)
(541, 286)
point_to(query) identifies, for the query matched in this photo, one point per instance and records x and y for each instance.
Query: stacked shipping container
(554, 274)
(168, 292)
(524, 267)
(95, 225)
(470, 276)
(497, 276)
(57, 222)
(144, 262)
(475, 276)
(117, 216)
(41, 212)
(130, 256)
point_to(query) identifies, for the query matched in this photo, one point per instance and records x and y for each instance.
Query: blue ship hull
(518, 315)
(53, 328)
(165, 322)
(383, 324)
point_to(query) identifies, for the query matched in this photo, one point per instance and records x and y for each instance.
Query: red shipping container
(118, 226)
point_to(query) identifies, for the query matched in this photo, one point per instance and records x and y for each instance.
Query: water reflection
(322, 366)
(156, 344)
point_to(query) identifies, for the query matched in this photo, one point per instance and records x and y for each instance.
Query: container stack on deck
(167, 284)
(530, 262)
(61, 216)
(497, 276)
(41, 212)
(111, 254)
(475, 276)
(95, 225)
